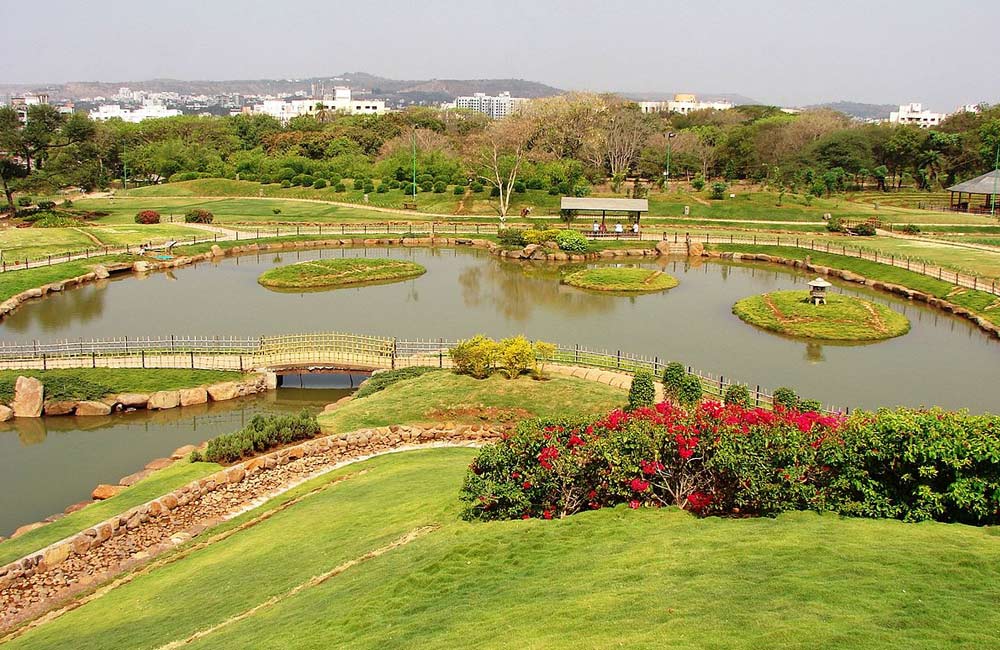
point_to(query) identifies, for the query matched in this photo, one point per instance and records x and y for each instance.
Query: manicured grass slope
(14, 282)
(432, 397)
(633, 280)
(157, 484)
(842, 318)
(339, 272)
(119, 380)
(610, 578)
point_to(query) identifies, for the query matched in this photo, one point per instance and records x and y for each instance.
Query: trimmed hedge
(261, 434)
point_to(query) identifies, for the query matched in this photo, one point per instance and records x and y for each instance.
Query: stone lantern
(817, 291)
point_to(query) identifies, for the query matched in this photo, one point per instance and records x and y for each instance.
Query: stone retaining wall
(46, 577)
(898, 289)
(29, 398)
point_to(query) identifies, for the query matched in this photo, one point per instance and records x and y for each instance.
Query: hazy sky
(940, 52)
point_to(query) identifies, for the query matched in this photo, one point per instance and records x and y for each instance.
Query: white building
(496, 106)
(145, 112)
(683, 103)
(340, 102)
(915, 114)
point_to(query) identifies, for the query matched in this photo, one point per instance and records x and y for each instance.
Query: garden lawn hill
(332, 273)
(842, 318)
(626, 280)
(413, 574)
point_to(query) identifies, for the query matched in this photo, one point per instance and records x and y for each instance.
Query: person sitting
(635, 228)
(595, 227)
(618, 228)
(604, 228)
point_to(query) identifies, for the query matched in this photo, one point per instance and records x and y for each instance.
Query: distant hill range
(733, 98)
(392, 90)
(859, 110)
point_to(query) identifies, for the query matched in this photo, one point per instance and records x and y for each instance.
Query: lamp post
(666, 172)
(124, 170)
(413, 142)
(996, 177)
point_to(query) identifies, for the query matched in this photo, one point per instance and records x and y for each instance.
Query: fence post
(619, 358)
(93, 359)
(576, 359)
(756, 399)
(440, 354)
(393, 360)
(192, 359)
(45, 365)
(142, 355)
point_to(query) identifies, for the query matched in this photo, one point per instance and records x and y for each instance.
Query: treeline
(563, 144)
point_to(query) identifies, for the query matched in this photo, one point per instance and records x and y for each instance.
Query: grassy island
(321, 274)
(842, 318)
(631, 280)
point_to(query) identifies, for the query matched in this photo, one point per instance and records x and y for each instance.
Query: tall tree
(499, 152)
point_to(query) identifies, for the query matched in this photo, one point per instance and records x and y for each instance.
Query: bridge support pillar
(271, 380)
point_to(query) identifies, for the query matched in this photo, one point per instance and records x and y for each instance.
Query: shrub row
(714, 459)
(481, 356)
(383, 380)
(261, 434)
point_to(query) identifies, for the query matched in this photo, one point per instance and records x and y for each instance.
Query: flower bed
(731, 460)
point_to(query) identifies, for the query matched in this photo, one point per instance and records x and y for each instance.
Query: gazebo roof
(985, 184)
(820, 282)
(604, 205)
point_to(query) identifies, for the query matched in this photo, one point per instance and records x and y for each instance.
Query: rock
(164, 399)
(223, 391)
(26, 528)
(159, 463)
(134, 478)
(529, 250)
(89, 409)
(695, 249)
(132, 400)
(6, 413)
(101, 272)
(217, 251)
(663, 247)
(28, 397)
(183, 452)
(105, 491)
(189, 396)
(140, 267)
(59, 407)
(56, 555)
(76, 507)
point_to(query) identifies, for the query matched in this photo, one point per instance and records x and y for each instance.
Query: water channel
(943, 360)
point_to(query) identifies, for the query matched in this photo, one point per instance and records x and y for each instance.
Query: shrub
(180, 177)
(737, 394)
(544, 352)
(319, 184)
(459, 190)
(426, 186)
(260, 434)
(476, 356)
(572, 241)
(690, 391)
(298, 179)
(476, 187)
(643, 391)
(698, 183)
(276, 210)
(554, 191)
(25, 201)
(673, 377)
(368, 187)
(533, 236)
(147, 217)
(382, 188)
(863, 229)
(809, 405)
(46, 205)
(515, 356)
(340, 187)
(440, 187)
(535, 184)
(520, 187)
(68, 203)
(494, 191)
(307, 180)
(511, 237)
(198, 215)
(718, 191)
(286, 184)
(785, 397)
(381, 381)
(910, 229)
(834, 224)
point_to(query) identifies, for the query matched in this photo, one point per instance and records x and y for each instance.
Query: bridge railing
(321, 348)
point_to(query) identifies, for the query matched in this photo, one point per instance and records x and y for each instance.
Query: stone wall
(29, 398)
(41, 579)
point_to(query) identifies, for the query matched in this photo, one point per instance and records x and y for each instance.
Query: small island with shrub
(842, 318)
(621, 279)
(323, 274)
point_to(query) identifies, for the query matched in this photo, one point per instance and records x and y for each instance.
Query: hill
(860, 110)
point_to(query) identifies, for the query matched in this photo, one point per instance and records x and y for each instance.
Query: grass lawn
(157, 484)
(318, 274)
(14, 282)
(120, 235)
(609, 578)
(623, 279)
(19, 244)
(445, 396)
(842, 318)
(70, 381)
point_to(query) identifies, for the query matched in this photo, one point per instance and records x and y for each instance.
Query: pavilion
(985, 186)
(632, 208)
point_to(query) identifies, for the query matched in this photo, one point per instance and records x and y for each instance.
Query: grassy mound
(842, 318)
(443, 396)
(632, 280)
(389, 564)
(318, 274)
(95, 383)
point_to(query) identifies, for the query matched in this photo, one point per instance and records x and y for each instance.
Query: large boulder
(90, 408)
(663, 247)
(105, 491)
(6, 413)
(132, 400)
(101, 272)
(217, 251)
(29, 397)
(59, 407)
(164, 399)
(223, 391)
(189, 396)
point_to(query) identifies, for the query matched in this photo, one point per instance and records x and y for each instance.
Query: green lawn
(131, 234)
(445, 396)
(318, 274)
(14, 282)
(157, 484)
(19, 244)
(625, 279)
(609, 578)
(842, 318)
(116, 380)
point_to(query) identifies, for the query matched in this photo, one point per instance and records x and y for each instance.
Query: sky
(788, 52)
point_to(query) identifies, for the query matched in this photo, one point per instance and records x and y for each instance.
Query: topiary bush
(261, 434)
(476, 187)
(440, 187)
(198, 215)
(458, 191)
(339, 187)
(572, 241)
(147, 217)
(673, 377)
(319, 184)
(737, 394)
(785, 397)
(643, 390)
(690, 391)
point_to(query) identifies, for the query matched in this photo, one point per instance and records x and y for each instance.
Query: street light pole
(666, 173)
(413, 142)
(996, 177)
(124, 170)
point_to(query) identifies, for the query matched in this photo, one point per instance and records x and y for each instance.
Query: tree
(499, 152)
(619, 139)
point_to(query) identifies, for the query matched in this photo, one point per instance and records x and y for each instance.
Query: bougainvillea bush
(716, 459)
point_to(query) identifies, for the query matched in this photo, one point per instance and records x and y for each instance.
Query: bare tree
(498, 153)
(619, 137)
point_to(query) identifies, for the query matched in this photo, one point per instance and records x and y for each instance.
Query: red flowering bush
(732, 460)
(147, 217)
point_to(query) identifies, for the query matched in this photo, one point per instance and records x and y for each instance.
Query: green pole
(996, 177)
(413, 141)
(124, 170)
